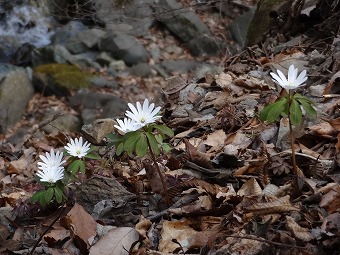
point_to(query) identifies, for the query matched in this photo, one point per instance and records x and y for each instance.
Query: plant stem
(167, 198)
(292, 138)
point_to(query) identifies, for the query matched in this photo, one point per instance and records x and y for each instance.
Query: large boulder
(60, 79)
(187, 26)
(93, 106)
(15, 92)
(133, 17)
(124, 47)
(239, 27)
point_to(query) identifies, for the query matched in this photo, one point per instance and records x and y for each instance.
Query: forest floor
(229, 175)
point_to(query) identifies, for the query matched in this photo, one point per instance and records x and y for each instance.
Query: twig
(46, 230)
(287, 152)
(35, 128)
(167, 198)
(266, 241)
(180, 203)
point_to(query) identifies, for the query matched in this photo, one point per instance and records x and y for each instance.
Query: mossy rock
(60, 79)
(263, 19)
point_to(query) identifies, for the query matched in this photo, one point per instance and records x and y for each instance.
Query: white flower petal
(77, 148)
(144, 114)
(51, 175)
(127, 125)
(294, 81)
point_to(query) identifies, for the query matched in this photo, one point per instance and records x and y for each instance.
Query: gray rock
(99, 188)
(59, 54)
(91, 37)
(124, 47)
(103, 82)
(75, 46)
(134, 16)
(50, 54)
(85, 60)
(239, 27)
(104, 58)
(96, 131)
(67, 31)
(116, 66)
(67, 123)
(203, 69)
(94, 106)
(205, 45)
(155, 52)
(15, 92)
(185, 25)
(180, 66)
(141, 69)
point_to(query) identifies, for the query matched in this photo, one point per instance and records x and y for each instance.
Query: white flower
(76, 147)
(127, 125)
(293, 81)
(143, 115)
(51, 160)
(51, 174)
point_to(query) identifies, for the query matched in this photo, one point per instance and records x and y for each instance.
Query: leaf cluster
(138, 142)
(288, 106)
(79, 164)
(52, 193)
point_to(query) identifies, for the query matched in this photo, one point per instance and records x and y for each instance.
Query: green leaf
(92, 148)
(295, 112)
(58, 195)
(75, 166)
(49, 194)
(142, 146)
(298, 96)
(131, 141)
(153, 143)
(265, 112)
(37, 195)
(166, 147)
(159, 138)
(120, 149)
(272, 112)
(92, 156)
(82, 166)
(165, 130)
(114, 138)
(308, 107)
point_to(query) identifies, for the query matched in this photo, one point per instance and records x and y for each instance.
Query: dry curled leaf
(197, 157)
(301, 233)
(209, 188)
(250, 188)
(81, 225)
(280, 205)
(117, 241)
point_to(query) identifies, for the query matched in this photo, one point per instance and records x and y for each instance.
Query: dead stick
(46, 230)
(266, 241)
(35, 128)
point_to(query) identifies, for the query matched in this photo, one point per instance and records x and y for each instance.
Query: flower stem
(167, 198)
(292, 138)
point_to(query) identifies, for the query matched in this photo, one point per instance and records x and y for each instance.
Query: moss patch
(67, 76)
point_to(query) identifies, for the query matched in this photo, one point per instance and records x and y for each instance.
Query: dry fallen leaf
(117, 241)
(280, 205)
(81, 225)
(250, 188)
(196, 156)
(178, 230)
(303, 234)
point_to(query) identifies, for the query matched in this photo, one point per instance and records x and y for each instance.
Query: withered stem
(167, 198)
